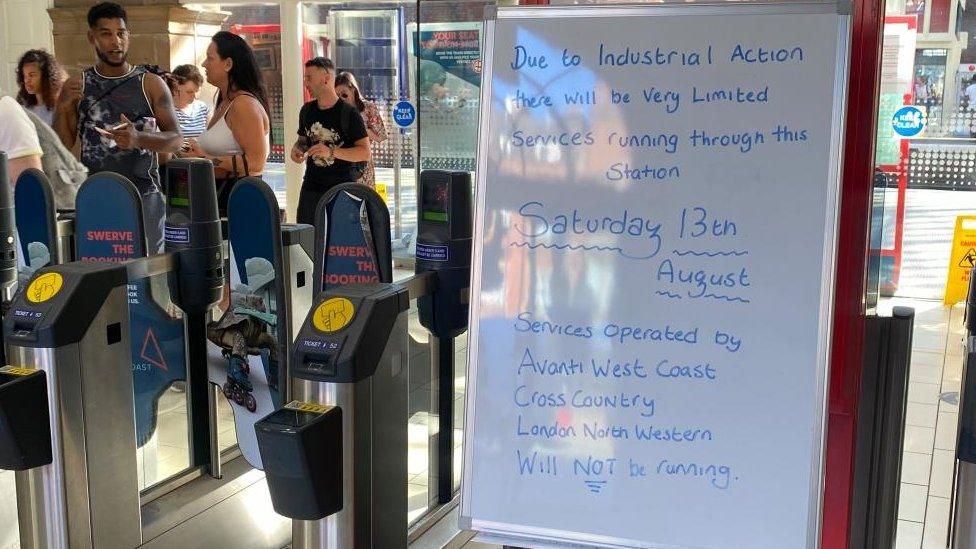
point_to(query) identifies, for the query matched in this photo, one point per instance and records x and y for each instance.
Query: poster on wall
(446, 59)
(448, 54)
(456, 47)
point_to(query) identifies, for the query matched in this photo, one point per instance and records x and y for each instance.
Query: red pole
(848, 329)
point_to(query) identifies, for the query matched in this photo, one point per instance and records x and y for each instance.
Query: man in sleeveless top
(123, 114)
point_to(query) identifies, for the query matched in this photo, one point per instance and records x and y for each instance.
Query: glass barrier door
(166, 455)
(925, 175)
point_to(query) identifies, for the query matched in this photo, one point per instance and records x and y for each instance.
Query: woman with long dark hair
(236, 140)
(347, 89)
(39, 78)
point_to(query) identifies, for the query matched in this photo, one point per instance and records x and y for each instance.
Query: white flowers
(326, 136)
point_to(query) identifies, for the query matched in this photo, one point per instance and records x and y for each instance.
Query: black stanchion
(880, 429)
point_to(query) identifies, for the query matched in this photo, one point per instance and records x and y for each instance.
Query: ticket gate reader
(444, 227)
(351, 351)
(193, 233)
(70, 323)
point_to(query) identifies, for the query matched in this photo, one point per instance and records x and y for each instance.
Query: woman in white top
(39, 78)
(236, 140)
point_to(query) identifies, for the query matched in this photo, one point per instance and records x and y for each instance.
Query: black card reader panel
(25, 424)
(58, 304)
(346, 331)
(301, 449)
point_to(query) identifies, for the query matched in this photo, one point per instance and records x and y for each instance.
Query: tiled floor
(930, 217)
(931, 418)
(167, 452)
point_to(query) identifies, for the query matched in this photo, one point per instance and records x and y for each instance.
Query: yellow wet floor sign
(962, 260)
(381, 190)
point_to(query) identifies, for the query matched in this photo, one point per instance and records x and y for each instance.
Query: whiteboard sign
(656, 213)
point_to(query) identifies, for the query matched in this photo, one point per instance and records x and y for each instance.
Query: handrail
(145, 267)
(419, 285)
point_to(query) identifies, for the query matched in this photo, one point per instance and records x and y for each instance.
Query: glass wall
(924, 179)
(446, 53)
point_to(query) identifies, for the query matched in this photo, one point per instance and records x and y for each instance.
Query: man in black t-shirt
(332, 138)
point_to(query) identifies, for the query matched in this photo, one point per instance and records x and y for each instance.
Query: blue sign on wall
(908, 121)
(404, 114)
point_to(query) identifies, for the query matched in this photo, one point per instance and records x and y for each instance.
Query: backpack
(61, 167)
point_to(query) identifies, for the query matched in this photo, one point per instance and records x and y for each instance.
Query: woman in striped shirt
(191, 113)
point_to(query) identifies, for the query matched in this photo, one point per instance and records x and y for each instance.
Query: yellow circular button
(333, 314)
(44, 287)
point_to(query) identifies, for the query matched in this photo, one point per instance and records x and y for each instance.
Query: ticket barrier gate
(880, 428)
(85, 493)
(68, 328)
(352, 352)
(72, 323)
(329, 532)
(336, 456)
